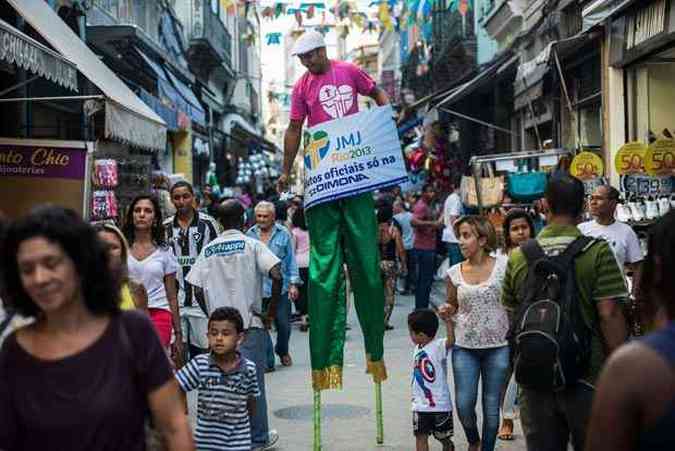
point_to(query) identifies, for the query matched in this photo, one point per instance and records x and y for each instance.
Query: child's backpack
(550, 340)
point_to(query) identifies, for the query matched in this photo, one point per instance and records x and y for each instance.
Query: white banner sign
(353, 155)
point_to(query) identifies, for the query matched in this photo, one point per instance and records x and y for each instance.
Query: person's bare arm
(379, 96)
(452, 298)
(140, 295)
(612, 323)
(615, 417)
(400, 250)
(277, 284)
(168, 412)
(635, 268)
(292, 139)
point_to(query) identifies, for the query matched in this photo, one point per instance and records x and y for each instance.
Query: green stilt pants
(344, 231)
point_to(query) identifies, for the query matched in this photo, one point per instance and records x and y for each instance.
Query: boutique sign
(352, 155)
(42, 162)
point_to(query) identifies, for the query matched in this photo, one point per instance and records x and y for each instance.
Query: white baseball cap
(307, 42)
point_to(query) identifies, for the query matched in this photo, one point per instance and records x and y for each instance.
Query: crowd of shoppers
(106, 310)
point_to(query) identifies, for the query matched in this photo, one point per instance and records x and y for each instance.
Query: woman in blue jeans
(481, 325)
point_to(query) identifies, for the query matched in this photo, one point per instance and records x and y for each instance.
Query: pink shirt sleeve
(298, 104)
(364, 83)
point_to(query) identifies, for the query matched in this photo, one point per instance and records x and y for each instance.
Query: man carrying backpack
(564, 294)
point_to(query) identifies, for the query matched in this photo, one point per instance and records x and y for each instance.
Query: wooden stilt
(378, 413)
(317, 420)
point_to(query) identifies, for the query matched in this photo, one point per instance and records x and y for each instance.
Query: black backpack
(550, 340)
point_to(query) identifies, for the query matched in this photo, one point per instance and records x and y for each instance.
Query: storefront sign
(630, 158)
(587, 166)
(660, 158)
(353, 155)
(644, 185)
(42, 162)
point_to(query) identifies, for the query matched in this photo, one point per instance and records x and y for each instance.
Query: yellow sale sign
(587, 166)
(630, 158)
(660, 158)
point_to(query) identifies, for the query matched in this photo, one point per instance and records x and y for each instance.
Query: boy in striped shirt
(227, 386)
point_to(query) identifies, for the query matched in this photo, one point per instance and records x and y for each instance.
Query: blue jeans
(253, 348)
(470, 365)
(426, 266)
(282, 323)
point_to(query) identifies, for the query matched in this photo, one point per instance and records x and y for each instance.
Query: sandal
(286, 360)
(506, 431)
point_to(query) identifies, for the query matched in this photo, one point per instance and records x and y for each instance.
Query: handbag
(527, 186)
(491, 188)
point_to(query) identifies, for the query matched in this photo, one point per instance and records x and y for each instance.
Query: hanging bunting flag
(273, 38)
(385, 18)
(279, 9)
(268, 12)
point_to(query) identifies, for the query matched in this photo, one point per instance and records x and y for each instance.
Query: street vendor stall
(526, 169)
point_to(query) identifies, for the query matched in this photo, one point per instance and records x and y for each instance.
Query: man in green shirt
(549, 418)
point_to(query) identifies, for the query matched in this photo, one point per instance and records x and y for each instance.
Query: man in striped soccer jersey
(188, 232)
(227, 384)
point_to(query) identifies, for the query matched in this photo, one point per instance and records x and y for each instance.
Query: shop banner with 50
(352, 155)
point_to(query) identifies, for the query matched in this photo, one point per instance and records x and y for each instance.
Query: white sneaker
(622, 213)
(636, 211)
(272, 439)
(664, 206)
(652, 209)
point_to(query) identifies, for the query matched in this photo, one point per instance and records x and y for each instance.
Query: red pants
(162, 319)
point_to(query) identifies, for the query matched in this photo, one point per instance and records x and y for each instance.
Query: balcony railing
(205, 27)
(144, 14)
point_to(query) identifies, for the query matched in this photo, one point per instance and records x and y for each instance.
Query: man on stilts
(340, 231)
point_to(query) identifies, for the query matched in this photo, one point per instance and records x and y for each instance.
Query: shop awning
(27, 53)
(483, 77)
(234, 120)
(128, 118)
(193, 107)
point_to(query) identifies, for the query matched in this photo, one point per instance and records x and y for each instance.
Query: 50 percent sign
(660, 158)
(630, 159)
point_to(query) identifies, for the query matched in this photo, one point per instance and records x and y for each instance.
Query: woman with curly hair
(84, 375)
(153, 264)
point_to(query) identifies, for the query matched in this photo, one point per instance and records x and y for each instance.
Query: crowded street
(348, 420)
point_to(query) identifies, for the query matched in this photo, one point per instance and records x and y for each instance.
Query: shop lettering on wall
(47, 162)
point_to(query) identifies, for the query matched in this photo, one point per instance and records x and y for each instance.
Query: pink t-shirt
(332, 95)
(301, 247)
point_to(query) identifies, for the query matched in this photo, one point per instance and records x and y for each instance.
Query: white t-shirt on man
(151, 271)
(621, 238)
(452, 207)
(430, 391)
(230, 270)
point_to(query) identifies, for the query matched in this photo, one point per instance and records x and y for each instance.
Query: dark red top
(94, 400)
(425, 237)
